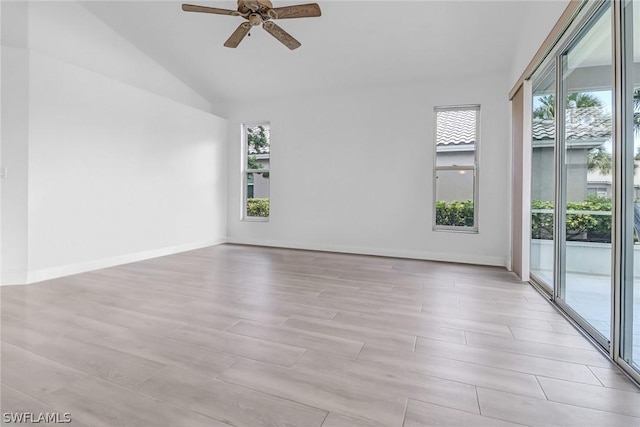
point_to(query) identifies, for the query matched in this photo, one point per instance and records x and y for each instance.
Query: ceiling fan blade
(204, 9)
(299, 11)
(280, 34)
(238, 35)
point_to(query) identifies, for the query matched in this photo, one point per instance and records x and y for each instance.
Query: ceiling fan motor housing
(255, 19)
(254, 6)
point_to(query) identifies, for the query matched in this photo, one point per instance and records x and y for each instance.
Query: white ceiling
(353, 44)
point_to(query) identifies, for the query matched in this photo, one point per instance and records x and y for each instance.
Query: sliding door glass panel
(631, 185)
(585, 282)
(543, 133)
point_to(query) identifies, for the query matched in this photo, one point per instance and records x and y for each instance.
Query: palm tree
(598, 159)
(546, 109)
(583, 100)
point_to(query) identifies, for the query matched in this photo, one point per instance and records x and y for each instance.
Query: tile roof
(456, 127)
(261, 150)
(582, 124)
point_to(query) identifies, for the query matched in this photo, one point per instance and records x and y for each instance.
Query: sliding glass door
(630, 200)
(585, 176)
(585, 194)
(543, 135)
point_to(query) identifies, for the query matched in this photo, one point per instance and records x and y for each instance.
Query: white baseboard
(68, 270)
(394, 253)
(13, 278)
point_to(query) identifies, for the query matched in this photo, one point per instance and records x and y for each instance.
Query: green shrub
(541, 222)
(580, 226)
(459, 214)
(258, 207)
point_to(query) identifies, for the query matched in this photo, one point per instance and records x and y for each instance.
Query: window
(456, 168)
(256, 149)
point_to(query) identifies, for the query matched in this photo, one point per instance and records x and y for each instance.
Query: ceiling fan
(258, 12)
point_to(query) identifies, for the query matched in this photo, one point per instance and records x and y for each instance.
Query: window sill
(467, 230)
(255, 219)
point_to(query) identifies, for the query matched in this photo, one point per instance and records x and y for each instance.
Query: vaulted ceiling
(353, 44)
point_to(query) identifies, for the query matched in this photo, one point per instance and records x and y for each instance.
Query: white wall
(124, 161)
(539, 19)
(352, 172)
(14, 132)
(67, 31)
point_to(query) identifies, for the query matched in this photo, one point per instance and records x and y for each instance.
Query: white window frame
(245, 171)
(473, 168)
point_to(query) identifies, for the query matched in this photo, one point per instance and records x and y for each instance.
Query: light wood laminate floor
(248, 336)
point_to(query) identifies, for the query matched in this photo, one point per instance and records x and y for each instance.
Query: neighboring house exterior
(258, 187)
(602, 185)
(586, 128)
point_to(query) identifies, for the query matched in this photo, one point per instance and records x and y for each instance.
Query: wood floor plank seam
(478, 400)
(92, 365)
(585, 400)
(404, 415)
(229, 327)
(62, 409)
(294, 401)
(480, 414)
(325, 419)
(298, 358)
(523, 363)
(133, 386)
(542, 388)
(593, 352)
(349, 397)
(216, 377)
(445, 406)
(474, 384)
(170, 404)
(259, 392)
(454, 381)
(594, 409)
(627, 383)
(277, 396)
(569, 406)
(251, 338)
(359, 351)
(595, 375)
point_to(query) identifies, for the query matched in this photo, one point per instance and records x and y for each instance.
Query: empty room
(343, 213)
